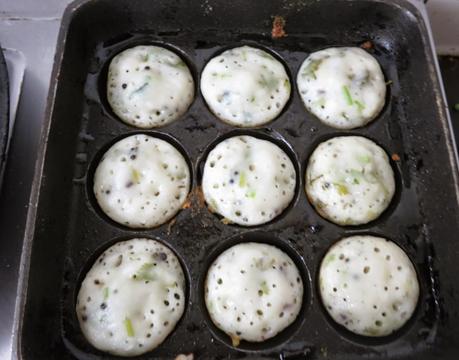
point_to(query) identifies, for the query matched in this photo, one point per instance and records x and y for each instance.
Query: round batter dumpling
(349, 180)
(245, 86)
(239, 185)
(253, 291)
(141, 181)
(344, 87)
(132, 297)
(149, 86)
(368, 285)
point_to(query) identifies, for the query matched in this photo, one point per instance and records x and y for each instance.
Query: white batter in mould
(253, 291)
(141, 181)
(349, 180)
(343, 86)
(149, 86)
(132, 297)
(248, 181)
(368, 285)
(245, 86)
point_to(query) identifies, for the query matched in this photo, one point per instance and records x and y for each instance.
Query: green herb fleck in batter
(128, 327)
(360, 106)
(106, 293)
(312, 67)
(135, 175)
(347, 95)
(287, 84)
(268, 82)
(342, 189)
(264, 288)
(242, 180)
(329, 259)
(364, 159)
(145, 272)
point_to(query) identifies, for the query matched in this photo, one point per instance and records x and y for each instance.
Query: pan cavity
(149, 86)
(245, 86)
(141, 181)
(343, 86)
(248, 181)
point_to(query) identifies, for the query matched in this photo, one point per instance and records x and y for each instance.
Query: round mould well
(285, 335)
(271, 52)
(363, 340)
(385, 109)
(392, 206)
(271, 136)
(116, 49)
(80, 344)
(97, 158)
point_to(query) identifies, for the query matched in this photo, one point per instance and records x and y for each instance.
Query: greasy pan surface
(67, 230)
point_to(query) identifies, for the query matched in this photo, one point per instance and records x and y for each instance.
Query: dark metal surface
(4, 113)
(449, 66)
(66, 231)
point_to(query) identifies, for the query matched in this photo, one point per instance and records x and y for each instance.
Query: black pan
(4, 112)
(67, 231)
(449, 66)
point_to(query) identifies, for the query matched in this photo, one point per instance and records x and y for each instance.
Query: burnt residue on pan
(67, 230)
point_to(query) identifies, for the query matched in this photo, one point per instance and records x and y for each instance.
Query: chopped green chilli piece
(106, 293)
(329, 259)
(287, 84)
(135, 176)
(145, 272)
(364, 159)
(244, 55)
(264, 288)
(342, 189)
(128, 327)
(360, 106)
(321, 102)
(347, 95)
(242, 180)
(251, 194)
(179, 64)
(312, 68)
(356, 176)
(266, 55)
(213, 205)
(268, 82)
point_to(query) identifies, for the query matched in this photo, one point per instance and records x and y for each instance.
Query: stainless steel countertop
(30, 27)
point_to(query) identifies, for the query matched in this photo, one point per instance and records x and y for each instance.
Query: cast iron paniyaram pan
(67, 231)
(4, 112)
